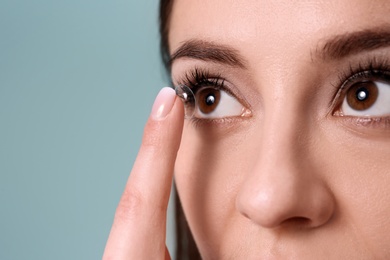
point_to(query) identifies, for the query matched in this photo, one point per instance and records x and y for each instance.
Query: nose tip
(286, 202)
(287, 183)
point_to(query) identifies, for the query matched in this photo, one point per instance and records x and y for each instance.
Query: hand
(139, 227)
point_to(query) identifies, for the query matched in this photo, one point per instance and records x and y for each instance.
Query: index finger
(138, 231)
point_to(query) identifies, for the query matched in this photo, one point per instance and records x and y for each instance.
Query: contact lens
(188, 98)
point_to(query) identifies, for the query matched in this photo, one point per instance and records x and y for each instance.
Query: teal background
(77, 82)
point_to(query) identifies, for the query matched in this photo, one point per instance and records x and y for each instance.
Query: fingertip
(163, 103)
(166, 118)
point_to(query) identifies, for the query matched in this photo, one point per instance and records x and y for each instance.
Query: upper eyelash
(369, 68)
(197, 78)
(364, 69)
(373, 66)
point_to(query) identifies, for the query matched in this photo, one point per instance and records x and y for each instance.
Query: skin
(296, 179)
(138, 231)
(293, 181)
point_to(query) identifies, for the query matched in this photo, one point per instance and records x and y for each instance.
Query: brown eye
(214, 103)
(208, 99)
(369, 97)
(362, 95)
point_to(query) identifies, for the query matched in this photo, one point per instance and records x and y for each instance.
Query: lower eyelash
(225, 124)
(368, 123)
(204, 121)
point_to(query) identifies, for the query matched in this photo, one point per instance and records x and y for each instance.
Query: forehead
(272, 26)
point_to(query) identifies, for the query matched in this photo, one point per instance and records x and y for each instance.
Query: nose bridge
(283, 184)
(281, 132)
(280, 169)
(283, 125)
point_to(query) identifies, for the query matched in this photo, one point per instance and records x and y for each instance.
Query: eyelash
(370, 69)
(198, 78)
(374, 68)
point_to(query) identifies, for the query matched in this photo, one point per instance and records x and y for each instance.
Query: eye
(211, 102)
(206, 96)
(367, 98)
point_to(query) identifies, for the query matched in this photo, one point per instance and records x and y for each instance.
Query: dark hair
(164, 21)
(185, 244)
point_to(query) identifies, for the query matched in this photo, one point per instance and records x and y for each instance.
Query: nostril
(297, 201)
(245, 215)
(297, 222)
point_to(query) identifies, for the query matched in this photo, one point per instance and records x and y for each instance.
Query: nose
(284, 187)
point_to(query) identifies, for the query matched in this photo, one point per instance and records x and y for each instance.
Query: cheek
(208, 173)
(358, 173)
(213, 164)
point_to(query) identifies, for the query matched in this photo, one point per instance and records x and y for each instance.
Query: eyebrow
(209, 51)
(344, 45)
(336, 47)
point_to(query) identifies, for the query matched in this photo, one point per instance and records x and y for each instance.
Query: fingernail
(163, 103)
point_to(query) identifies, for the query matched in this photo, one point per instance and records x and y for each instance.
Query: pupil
(362, 94)
(210, 100)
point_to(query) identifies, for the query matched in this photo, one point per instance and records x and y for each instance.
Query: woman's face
(287, 155)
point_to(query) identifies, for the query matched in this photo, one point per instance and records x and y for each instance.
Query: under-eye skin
(211, 99)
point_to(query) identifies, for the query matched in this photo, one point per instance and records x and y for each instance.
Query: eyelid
(197, 79)
(371, 67)
(362, 76)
